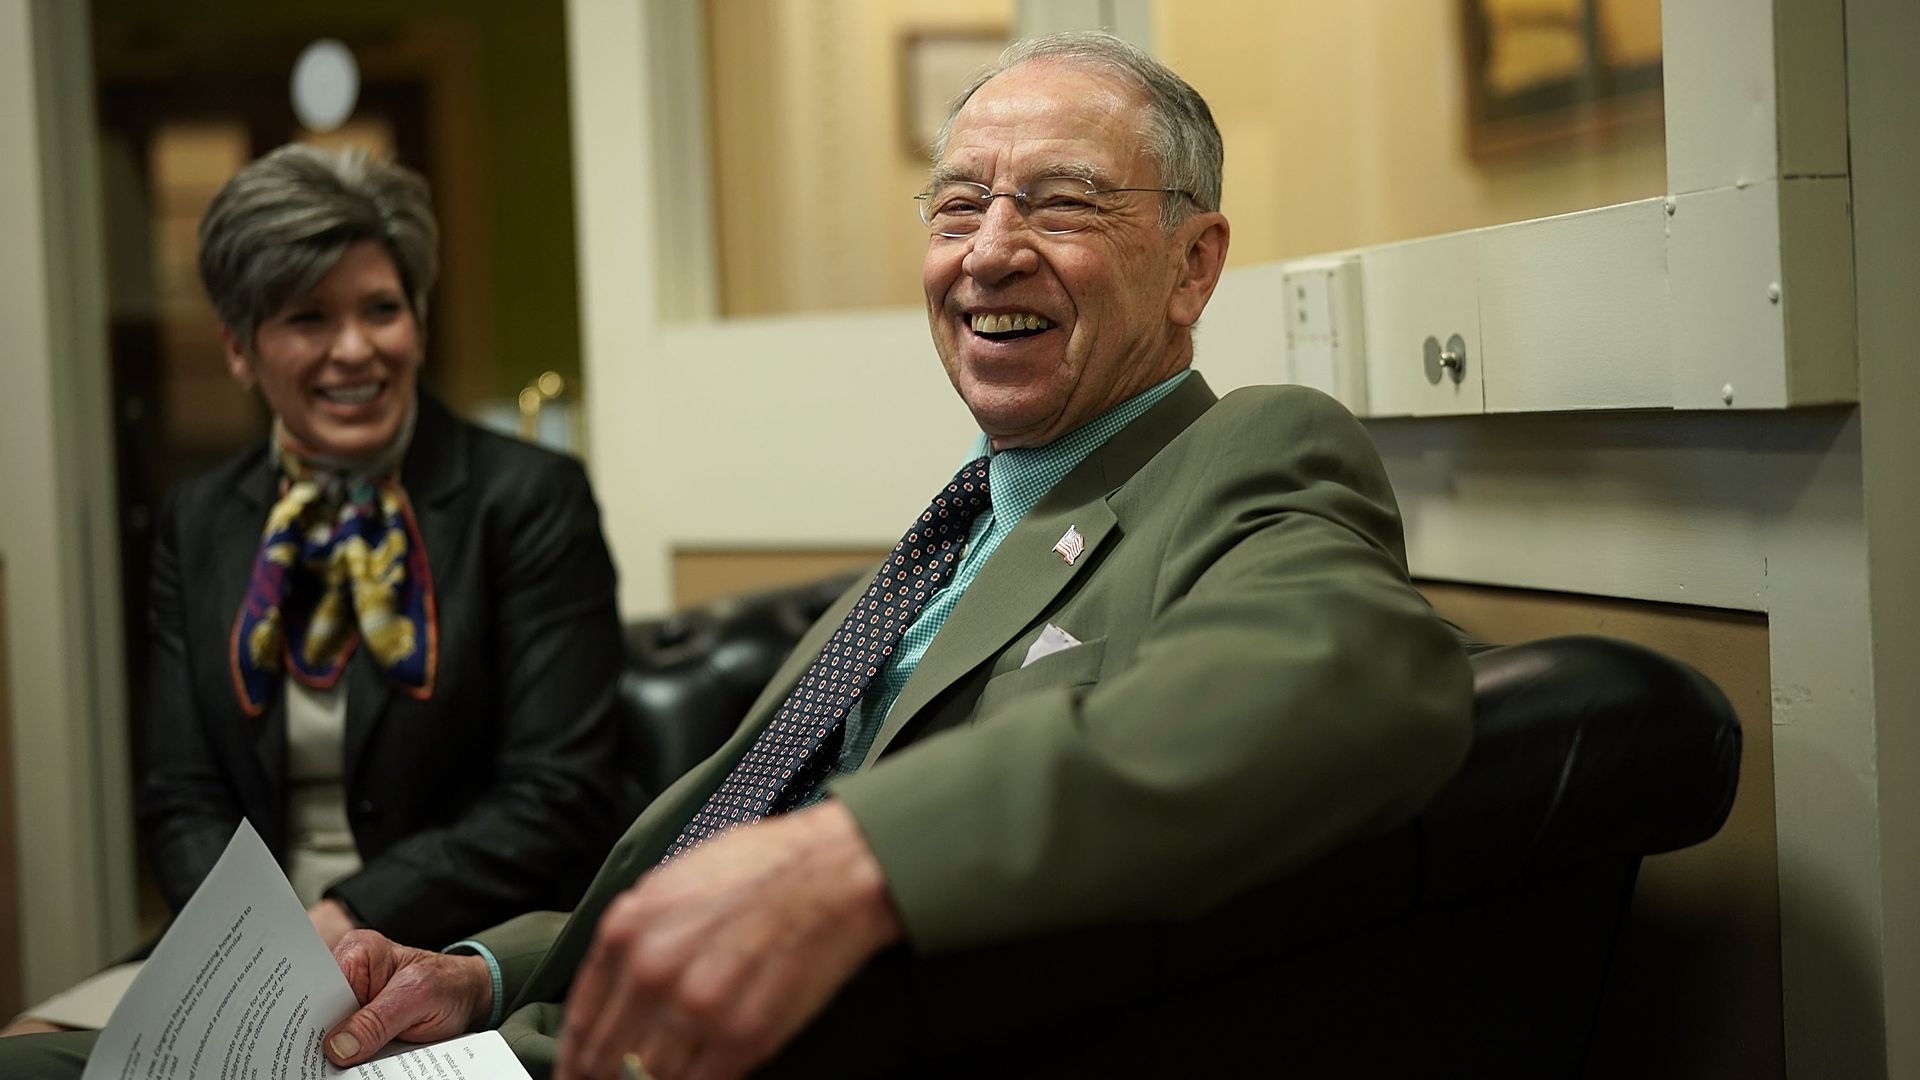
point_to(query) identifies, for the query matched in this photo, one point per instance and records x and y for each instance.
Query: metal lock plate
(1450, 359)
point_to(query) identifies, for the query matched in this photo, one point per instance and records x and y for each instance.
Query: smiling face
(338, 365)
(1042, 333)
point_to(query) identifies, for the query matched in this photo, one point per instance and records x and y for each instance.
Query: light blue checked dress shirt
(1018, 479)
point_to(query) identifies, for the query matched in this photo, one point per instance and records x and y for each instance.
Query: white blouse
(320, 848)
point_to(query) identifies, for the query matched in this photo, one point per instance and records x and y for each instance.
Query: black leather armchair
(691, 677)
(1479, 935)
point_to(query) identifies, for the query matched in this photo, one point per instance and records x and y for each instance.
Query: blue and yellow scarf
(340, 562)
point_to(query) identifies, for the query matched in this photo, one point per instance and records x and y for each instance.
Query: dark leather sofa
(1473, 942)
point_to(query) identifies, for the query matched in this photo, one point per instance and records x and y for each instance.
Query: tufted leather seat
(691, 677)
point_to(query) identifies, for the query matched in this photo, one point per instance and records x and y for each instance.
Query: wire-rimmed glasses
(1051, 204)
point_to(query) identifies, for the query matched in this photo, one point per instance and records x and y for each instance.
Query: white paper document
(242, 988)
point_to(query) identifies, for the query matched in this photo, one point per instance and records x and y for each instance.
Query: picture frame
(935, 66)
(1543, 74)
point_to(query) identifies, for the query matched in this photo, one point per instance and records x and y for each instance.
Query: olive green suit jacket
(1100, 831)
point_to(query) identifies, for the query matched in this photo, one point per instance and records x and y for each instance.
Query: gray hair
(282, 222)
(1179, 130)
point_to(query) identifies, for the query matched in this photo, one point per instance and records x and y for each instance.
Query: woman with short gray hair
(385, 637)
(416, 619)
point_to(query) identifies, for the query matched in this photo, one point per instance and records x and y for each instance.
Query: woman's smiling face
(339, 364)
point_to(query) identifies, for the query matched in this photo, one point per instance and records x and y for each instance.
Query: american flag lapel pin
(1071, 545)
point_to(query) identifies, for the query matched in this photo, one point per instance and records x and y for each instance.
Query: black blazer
(500, 794)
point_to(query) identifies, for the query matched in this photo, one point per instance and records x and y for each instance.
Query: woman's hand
(27, 1025)
(330, 917)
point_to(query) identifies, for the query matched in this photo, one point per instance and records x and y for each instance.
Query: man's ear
(1205, 256)
(239, 364)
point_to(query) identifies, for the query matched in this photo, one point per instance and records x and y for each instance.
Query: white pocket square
(1051, 640)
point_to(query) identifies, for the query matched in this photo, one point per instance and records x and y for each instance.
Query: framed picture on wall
(935, 65)
(1547, 72)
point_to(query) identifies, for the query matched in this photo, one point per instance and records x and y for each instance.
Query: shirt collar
(1020, 477)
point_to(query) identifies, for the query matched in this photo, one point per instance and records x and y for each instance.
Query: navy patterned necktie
(798, 747)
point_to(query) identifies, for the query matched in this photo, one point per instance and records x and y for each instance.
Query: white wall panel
(816, 430)
(1729, 344)
(1412, 292)
(1573, 311)
(1242, 339)
(1651, 507)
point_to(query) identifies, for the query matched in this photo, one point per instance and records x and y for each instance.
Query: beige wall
(806, 94)
(1345, 126)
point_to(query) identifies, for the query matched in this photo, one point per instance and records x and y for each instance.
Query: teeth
(352, 395)
(1000, 324)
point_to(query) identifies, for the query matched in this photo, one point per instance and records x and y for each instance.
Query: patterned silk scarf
(340, 562)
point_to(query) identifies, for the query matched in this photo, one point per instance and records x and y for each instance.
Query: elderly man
(1147, 652)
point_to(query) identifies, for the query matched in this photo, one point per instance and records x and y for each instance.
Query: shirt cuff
(462, 948)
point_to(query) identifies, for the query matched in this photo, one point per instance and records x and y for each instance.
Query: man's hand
(331, 919)
(405, 993)
(708, 965)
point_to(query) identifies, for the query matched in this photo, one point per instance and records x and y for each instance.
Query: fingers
(332, 920)
(708, 965)
(625, 1002)
(367, 959)
(363, 1034)
(667, 1046)
(26, 1025)
(615, 997)
(404, 993)
(680, 1016)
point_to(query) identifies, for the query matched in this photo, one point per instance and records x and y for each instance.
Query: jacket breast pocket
(1076, 665)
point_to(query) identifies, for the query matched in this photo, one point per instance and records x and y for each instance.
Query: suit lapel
(236, 542)
(1025, 574)
(434, 472)
(1019, 581)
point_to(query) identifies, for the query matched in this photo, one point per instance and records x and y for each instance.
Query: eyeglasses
(1052, 204)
